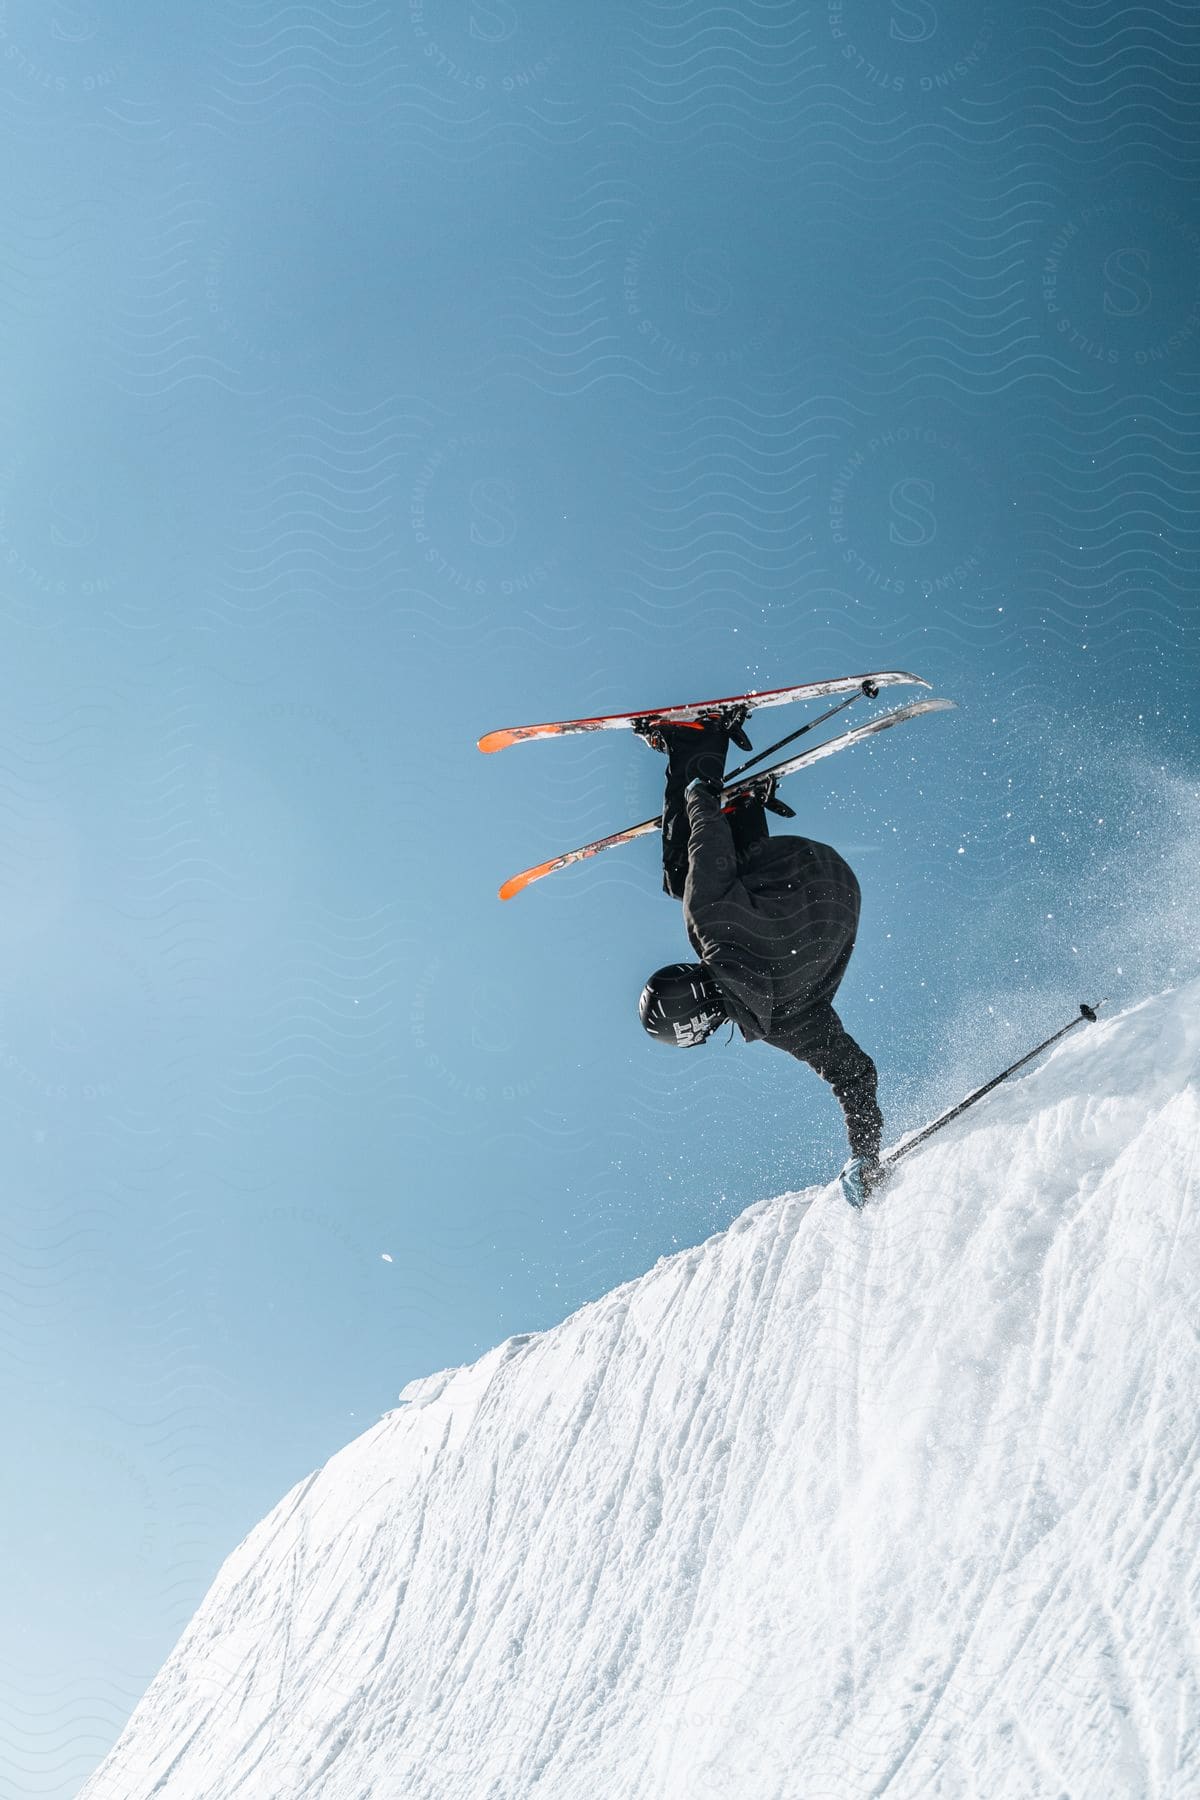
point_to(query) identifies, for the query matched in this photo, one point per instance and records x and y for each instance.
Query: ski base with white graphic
(914, 710)
(676, 715)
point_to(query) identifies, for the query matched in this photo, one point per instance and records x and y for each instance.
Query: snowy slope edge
(903, 1503)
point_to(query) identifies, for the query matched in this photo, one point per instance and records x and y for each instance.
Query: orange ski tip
(515, 883)
(496, 740)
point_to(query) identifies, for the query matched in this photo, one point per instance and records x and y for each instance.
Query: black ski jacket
(775, 924)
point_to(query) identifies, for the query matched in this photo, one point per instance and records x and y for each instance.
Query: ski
(914, 710)
(753, 702)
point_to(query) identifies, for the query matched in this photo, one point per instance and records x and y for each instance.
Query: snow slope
(903, 1503)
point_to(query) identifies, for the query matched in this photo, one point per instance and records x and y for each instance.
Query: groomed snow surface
(897, 1504)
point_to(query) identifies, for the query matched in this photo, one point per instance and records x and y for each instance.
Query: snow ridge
(899, 1504)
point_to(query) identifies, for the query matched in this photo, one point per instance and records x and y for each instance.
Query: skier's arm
(720, 916)
(712, 859)
(845, 1065)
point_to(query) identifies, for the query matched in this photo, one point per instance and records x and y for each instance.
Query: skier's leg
(691, 751)
(853, 1077)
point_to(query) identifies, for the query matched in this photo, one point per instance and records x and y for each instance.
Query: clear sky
(376, 375)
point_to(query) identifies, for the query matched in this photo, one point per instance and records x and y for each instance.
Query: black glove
(704, 786)
(861, 1177)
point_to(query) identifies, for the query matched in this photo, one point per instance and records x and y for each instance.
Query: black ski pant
(690, 753)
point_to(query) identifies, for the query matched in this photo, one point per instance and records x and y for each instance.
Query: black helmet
(682, 1005)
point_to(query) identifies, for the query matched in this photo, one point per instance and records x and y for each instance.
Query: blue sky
(374, 377)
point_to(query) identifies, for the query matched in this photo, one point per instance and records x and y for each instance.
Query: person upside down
(773, 921)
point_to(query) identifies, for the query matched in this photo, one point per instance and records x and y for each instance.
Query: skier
(773, 921)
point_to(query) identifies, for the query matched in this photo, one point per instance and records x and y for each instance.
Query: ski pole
(1086, 1012)
(868, 691)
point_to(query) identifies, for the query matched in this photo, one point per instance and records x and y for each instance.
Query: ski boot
(654, 731)
(764, 790)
